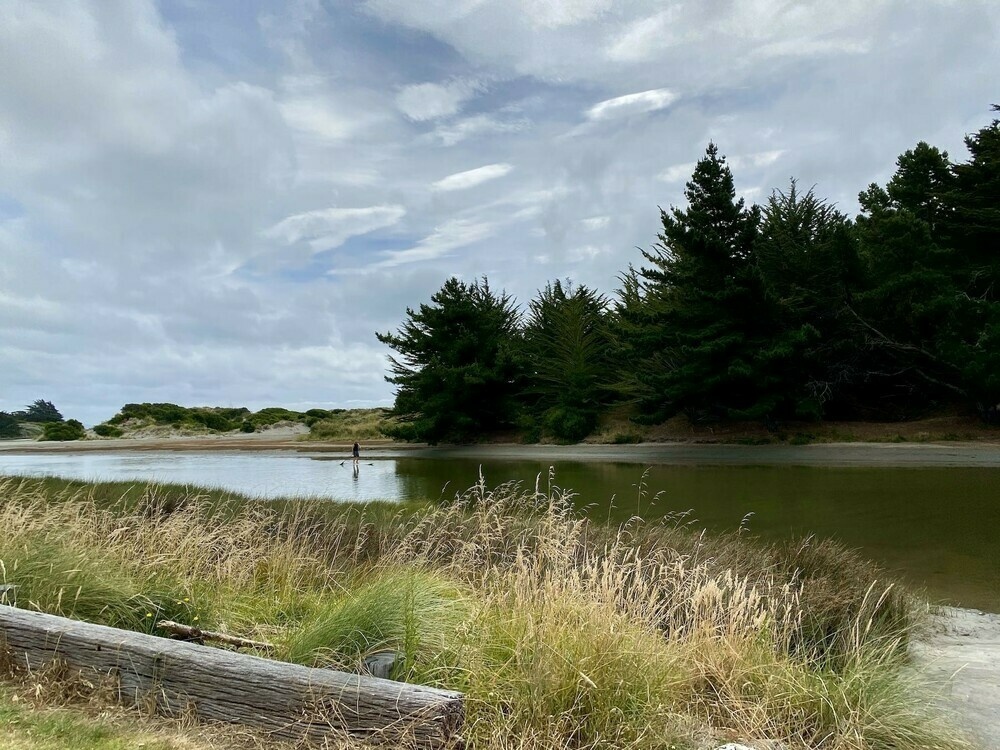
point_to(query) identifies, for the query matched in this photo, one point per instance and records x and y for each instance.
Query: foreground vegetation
(562, 633)
(789, 311)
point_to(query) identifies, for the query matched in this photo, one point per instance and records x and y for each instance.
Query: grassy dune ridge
(562, 633)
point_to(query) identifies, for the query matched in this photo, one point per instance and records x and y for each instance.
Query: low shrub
(626, 438)
(9, 426)
(107, 430)
(358, 424)
(570, 424)
(68, 430)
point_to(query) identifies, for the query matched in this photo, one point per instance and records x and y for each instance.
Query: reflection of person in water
(356, 453)
(357, 470)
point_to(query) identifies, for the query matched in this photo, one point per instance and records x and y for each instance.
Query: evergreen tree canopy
(972, 228)
(790, 311)
(805, 260)
(973, 219)
(692, 342)
(568, 355)
(9, 426)
(931, 245)
(40, 411)
(459, 367)
(907, 293)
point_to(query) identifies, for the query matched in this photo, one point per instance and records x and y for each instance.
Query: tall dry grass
(562, 633)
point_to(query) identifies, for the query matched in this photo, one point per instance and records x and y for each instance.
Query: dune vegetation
(561, 632)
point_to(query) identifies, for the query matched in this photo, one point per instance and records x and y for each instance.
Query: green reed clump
(405, 610)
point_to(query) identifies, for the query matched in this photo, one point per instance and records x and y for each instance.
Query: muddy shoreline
(915, 455)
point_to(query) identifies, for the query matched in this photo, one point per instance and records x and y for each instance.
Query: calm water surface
(937, 527)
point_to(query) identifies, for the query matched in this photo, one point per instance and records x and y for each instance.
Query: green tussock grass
(562, 633)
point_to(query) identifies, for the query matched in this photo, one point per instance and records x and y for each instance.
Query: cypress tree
(459, 368)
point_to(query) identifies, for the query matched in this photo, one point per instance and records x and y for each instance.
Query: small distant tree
(40, 411)
(69, 430)
(459, 365)
(9, 427)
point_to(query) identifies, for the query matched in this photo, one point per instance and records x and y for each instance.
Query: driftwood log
(286, 700)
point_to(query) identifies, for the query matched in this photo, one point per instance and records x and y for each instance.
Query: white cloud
(587, 253)
(678, 172)
(595, 222)
(645, 37)
(175, 190)
(430, 101)
(316, 117)
(455, 132)
(756, 160)
(632, 104)
(330, 227)
(552, 14)
(449, 236)
(810, 47)
(472, 177)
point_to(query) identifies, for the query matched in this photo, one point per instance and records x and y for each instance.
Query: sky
(220, 203)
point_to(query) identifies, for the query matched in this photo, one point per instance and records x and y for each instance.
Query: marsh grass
(562, 633)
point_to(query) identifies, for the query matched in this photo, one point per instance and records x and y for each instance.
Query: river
(936, 526)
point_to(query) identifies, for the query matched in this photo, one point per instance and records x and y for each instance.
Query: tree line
(787, 311)
(44, 413)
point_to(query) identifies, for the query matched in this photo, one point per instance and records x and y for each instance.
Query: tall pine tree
(972, 229)
(692, 336)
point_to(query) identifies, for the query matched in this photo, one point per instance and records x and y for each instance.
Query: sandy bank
(978, 454)
(963, 653)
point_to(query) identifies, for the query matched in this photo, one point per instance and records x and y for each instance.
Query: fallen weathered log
(287, 700)
(198, 635)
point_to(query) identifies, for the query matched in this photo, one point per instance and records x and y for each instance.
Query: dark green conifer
(459, 368)
(692, 337)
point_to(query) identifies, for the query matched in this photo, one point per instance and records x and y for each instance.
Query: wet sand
(963, 654)
(981, 454)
